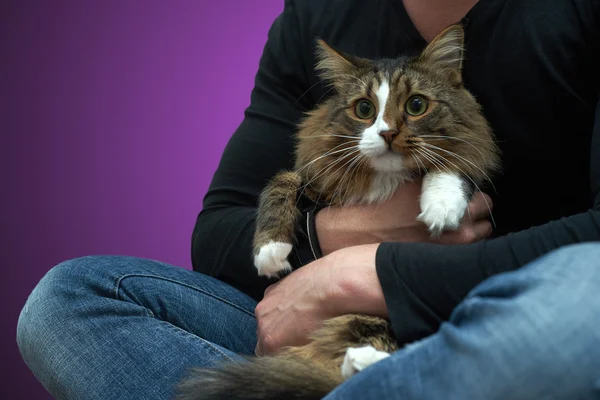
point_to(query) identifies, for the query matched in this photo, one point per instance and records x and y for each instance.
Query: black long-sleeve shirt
(533, 65)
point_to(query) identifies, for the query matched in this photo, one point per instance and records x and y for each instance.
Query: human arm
(423, 282)
(345, 280)
(396, 221)
(262, 146)
(415, 285)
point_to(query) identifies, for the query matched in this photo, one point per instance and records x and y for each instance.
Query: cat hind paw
(359, 358)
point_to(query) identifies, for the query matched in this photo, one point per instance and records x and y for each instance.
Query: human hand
(295, 306)
(396, 221)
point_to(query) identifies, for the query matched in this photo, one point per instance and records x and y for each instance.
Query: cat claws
(359, 358)
(271, 260)
(442, 214)
(440, 217)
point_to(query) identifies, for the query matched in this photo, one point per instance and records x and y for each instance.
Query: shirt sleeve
(423, 283)
(261, 146)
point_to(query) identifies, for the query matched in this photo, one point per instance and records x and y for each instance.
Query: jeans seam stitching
(192, 336)
(118, 286)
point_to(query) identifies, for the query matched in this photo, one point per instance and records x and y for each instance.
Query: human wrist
(325, 231)
(356, 287)
(336, 229)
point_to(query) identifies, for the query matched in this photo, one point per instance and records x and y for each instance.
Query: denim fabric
(532, 334)
(127, 328)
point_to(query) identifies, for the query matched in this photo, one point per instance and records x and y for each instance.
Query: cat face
(405, 114)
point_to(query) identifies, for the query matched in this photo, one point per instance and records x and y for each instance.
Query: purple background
(113, 116)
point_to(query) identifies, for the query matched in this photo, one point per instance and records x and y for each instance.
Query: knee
(52, 299)
(569, 270)
(541, 318)
(562, 282)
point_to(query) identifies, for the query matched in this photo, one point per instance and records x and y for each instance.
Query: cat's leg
(276, 224)
(444, 200)
(359, 358)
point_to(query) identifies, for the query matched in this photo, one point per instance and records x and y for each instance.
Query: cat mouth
(383, 157)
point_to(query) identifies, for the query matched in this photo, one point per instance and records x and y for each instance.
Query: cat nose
(388, 136)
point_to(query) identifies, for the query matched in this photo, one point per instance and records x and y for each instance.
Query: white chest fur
(383, 186)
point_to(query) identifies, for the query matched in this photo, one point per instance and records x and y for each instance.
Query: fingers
(468, 233)
(480, 207)
(258, 312)
(265, 342)
(265, 345)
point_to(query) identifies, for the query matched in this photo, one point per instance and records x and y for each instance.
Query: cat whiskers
(433, 155)
(359, 167)
(307, 90)
(451, 153)
(343, 194)
(326, 183)
(333, 87)
(433, 161)
(451, 138)
(328, 153)
(351, 151)
(324, 94)
(418, 163)
(328, 90)
(338, 186)
(470, 137)
(428, 155)
(332, 135)
(336, 77)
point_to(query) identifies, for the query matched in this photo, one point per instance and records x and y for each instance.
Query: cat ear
(333, 65)
(447, 48)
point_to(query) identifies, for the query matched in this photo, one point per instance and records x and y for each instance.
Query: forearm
(354, 225)
(222, 248)
(355, 285)
(338, 228)
(424, 282)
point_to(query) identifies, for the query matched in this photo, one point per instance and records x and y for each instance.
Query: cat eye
(416, 105)
(364, 109)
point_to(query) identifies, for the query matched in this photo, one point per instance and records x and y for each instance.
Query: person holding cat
(502, 306)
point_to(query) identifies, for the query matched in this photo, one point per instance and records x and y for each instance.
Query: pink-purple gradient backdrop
(113, 117)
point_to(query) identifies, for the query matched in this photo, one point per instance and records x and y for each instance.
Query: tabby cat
(388, 121)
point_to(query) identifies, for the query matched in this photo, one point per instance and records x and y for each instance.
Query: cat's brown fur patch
(280, 195)
(300, 372)
(328, 344)
(327, 163)
(451, 135)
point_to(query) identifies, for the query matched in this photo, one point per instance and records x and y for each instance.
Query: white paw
(359, 358)
(271, 260)
(442, 215)
(443, 202)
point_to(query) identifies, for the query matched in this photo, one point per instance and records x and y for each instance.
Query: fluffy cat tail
(268, 378)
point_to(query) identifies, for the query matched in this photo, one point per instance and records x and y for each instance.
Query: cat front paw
(359, 358)
(442, 215)
(443, 202)
(271, 260)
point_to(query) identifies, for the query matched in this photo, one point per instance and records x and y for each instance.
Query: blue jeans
(127, 328)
